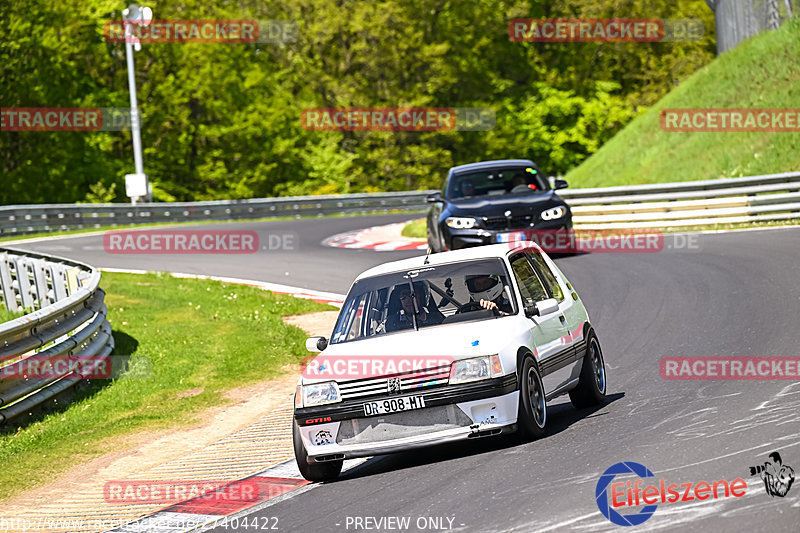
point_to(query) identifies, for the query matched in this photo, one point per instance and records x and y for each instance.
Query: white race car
(456, 345)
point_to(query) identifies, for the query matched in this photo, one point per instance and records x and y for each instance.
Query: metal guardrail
(691, 203)
(771, 197)
(21, 219)
(67, 318)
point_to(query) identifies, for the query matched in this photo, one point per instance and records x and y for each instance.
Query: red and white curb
(360, 239)
(276, 483)
(330, 298)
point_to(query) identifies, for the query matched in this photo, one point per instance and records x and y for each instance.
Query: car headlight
(460, 222)
(554, 213)
(475, 369)
(321, 393)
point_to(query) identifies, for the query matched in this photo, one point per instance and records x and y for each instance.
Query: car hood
(498, 205)
(445, 342)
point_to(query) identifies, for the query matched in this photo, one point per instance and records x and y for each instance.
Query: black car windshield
(444, 294)
(495, 182)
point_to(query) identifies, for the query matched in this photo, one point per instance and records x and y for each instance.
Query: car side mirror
(433, 198)
(560, 184)
(545, 307)
(316, 344)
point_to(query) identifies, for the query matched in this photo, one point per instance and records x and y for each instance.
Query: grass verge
(416, 229)
(201, 338)
(761, 72)
(6, 315)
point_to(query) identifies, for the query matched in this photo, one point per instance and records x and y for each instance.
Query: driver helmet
(423, 293)
(491, 293)
(421, 290)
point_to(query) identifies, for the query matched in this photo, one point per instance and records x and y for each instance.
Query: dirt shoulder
(233, 441)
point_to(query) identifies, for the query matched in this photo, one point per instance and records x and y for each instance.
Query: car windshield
(496, 182)
(444, 294)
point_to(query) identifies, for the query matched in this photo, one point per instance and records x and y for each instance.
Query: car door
(548, 333)
(570, 314)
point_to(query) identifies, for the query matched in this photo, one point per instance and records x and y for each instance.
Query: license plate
(394, 405)
(511, 237)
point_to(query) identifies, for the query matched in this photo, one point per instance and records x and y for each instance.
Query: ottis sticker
(777, 477)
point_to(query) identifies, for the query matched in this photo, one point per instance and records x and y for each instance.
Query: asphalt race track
(732, 294)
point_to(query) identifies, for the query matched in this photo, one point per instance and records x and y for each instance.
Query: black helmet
(421, 289)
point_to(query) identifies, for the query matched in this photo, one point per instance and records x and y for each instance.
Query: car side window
(530, 286)
(549, 278)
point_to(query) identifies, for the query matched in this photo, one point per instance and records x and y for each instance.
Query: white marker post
(140, 16)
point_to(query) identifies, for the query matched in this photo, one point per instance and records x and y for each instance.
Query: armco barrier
(690, 203)
(771, 197)
(67, 318)
(21, 219)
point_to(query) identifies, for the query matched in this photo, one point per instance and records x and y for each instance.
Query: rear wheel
(591, 389)
(313, 471)
(532, 416)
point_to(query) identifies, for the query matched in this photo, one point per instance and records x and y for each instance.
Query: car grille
(400, 425)
(515, 222)
(409, 381)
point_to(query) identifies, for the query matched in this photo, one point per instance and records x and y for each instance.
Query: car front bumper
(451, 413)
(456, 239)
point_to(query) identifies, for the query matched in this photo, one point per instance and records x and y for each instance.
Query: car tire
(433, 243)
(591, 389)
(313, 471)
(532, 413)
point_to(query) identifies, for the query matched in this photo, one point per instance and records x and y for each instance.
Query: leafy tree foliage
(223, 120)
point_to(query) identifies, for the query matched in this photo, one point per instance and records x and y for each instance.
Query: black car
(491, 202)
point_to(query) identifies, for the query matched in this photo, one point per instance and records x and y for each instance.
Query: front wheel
(532, 416)
(591, 389)
(313, 471)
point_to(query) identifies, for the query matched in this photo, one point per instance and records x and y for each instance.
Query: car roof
(488, 164)
(466, 254)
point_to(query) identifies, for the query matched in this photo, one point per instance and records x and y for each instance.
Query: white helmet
(491, 293)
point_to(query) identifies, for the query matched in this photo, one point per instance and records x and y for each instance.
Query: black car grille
(417, 380)
(400, 425)
(513, 222)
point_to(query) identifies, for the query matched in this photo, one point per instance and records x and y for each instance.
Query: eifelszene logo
(632, 494)
(777, 477)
